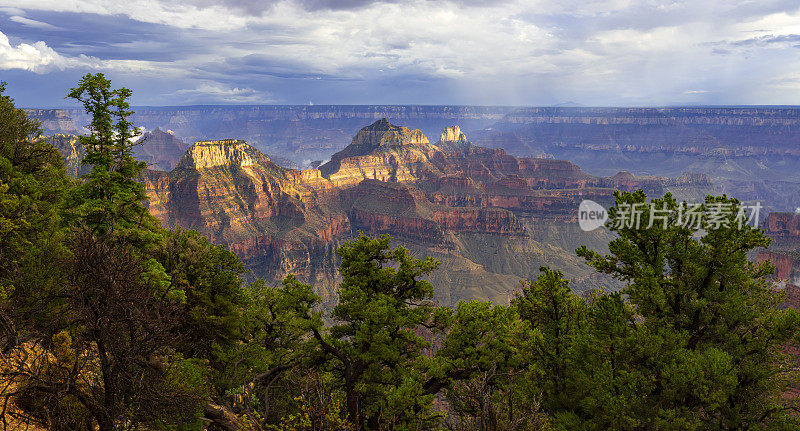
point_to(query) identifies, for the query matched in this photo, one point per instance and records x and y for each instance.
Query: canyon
(492, 219)
(492, 207)
(751, 153)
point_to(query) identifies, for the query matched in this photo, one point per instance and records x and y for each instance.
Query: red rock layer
(783, 225)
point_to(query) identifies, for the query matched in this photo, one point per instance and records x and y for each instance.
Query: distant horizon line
(229, 105)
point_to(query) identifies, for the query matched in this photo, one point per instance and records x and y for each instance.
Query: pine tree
(714, 331)
(376, 354)
(110, 200)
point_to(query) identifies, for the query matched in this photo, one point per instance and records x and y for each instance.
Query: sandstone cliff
(783, 226)
(382, 151)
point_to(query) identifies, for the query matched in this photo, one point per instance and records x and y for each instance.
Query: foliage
(708, 332)
(109, 200)
(375, 353)
(111, 361)
(32, 185)
(206, 278)
(486, 358)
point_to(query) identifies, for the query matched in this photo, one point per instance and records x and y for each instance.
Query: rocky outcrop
(230, 188)
(382, 151)
(783, 226)
(161, 150)
(784, 251)
(55, 121)
(785, 264)
(73, 153)
(452, 139)
(452, 134)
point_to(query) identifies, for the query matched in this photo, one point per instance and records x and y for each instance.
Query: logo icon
(591, 215)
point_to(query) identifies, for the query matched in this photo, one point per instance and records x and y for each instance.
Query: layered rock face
(55, 121)
(160, 149)
(382, 151)
(452, 139)
(231, 189)
(783, 226)
(784, 251)
(750, 153)
(73, 153)
(491, 218)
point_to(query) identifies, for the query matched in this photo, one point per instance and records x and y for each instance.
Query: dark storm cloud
(255, 65)
(104, 36)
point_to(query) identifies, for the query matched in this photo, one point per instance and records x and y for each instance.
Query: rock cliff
(73, 153)
(382, 151)
(750, 153)
(784, 251)
(160, 149)
(490, 217)
(783, 226)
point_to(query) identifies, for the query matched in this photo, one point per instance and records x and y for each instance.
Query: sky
(459, 52)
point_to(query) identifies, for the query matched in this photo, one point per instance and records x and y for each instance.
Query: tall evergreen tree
(373, 347)
(109, 201)
(99, 350)
(715, 331)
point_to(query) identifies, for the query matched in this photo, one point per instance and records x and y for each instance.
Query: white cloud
(38, 57)
(216, 92)
(32, 23)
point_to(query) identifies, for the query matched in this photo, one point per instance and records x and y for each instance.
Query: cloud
(198, 14)
(32, 23)
(791, 39)
(419, 51)
(12, 11)
(38, 57)
(214, 92)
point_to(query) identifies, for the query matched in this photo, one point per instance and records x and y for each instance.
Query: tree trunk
(222, 417)
(354, 407)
